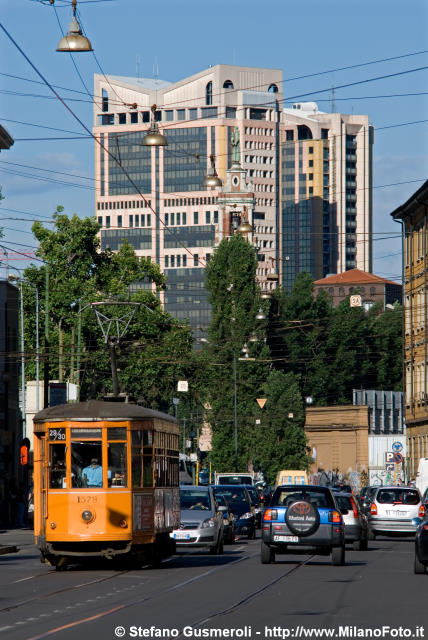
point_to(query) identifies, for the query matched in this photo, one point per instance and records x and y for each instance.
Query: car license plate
(182, 536)
(397, 514)
(286, 539)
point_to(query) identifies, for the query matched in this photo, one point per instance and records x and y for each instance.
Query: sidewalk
(11, 540)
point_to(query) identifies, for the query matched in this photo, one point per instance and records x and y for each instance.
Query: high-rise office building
(300, 178)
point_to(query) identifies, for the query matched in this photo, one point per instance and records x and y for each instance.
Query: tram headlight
(53, 525)
(87, 515)
(123, 524)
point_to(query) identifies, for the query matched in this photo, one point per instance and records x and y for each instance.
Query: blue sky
(176, 39)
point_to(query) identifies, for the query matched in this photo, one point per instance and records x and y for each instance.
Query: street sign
(389, 467)
(398, 458)
(397, 446)
(389, 457)
(182, 385)
(261, 402)
(355, 301)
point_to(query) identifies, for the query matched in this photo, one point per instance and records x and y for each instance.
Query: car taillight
(270, 514)
(354, 509)
(421, 513)
(373, 509)
(425, 527)
(334, 516)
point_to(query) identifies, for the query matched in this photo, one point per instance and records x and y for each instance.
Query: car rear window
(234, 480)
(343, 502)
(285, 497)
(389, 496)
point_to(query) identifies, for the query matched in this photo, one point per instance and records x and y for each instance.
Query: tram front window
(57, 466)
(117, 476)
(86, 464)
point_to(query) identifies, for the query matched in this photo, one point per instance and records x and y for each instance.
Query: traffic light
(25, 447)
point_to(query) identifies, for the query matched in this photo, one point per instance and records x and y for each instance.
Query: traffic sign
(398, 458)
(261, 402)
(389, 457)
(355, 301)
(397, 446)
(389, 466)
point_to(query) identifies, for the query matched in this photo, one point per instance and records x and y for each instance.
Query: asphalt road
(233, 592)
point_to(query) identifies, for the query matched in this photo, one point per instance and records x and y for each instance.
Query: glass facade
(186, 297)
(137, 238)
(184, 167)
(195, 236)
(134, 158)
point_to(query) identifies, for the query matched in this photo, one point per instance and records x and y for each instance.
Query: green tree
(281, 438)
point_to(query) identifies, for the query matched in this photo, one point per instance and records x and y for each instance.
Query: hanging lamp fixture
(74, 41)
(154, 138)
(212, 180)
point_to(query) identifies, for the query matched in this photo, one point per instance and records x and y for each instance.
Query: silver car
(395, 510)
(354, 518)
(201, 520)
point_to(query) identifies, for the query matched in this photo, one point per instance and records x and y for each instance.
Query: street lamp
(74, 41)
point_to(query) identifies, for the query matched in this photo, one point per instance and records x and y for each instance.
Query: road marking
(23, 579)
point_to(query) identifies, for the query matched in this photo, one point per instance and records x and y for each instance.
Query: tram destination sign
(57, 434)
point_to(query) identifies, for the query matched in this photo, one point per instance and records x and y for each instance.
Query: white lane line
(5, 628)
(23, 579)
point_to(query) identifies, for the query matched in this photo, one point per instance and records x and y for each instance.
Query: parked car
(228, 519)
(257, 504)
(202, 522)
(301, 517)
(421, 547)
(395, 510)
(240, 503)
(355, 520)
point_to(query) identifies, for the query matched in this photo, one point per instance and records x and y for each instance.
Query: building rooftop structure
(371, 287)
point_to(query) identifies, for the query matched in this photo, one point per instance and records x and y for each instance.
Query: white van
(422, 475)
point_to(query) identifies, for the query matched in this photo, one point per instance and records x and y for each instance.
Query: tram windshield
(86, 464)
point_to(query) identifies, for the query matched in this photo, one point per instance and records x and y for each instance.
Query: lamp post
(13, 278)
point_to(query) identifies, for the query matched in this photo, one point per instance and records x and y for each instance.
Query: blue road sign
(397, 447)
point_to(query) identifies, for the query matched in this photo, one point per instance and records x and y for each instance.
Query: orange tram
(106, 483)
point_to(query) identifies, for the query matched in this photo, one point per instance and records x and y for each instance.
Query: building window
(184, 217)
(228, 84)
(184, 260)
(372, 291)
(149, 220)
(209, 93)
(131, 220)
(104, 100)
(231, 112)
(137, 220)
(289, 134)
(119, 221)
(195, 217)
(134, 117)
(207, 217)
(166, 218)
(311, 176)
(215, 220)
(172, 261)
(181, 114)
(207, 257)
(324, 134)
(310, 149)
(166, 262)
(196, 260)
(341, 291)
(178, 218)
(193, 114)
(172, 219)
(169, 115)
(122, 118)
(178, 261)
(331, 291)
(311, 163)
(107, 222)
(273, 88)
(145, 115)
(100, 220)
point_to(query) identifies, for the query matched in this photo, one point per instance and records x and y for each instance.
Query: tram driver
(93, 474)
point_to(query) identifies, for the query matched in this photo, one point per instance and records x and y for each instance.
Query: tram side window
(86, 464)
(136, 458)
(57, 466)
(117, 472)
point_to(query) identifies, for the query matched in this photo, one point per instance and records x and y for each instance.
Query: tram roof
(98, 410)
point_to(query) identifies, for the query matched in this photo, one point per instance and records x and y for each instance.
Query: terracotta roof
(354, 276)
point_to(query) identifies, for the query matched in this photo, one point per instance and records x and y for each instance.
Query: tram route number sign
(57, 434)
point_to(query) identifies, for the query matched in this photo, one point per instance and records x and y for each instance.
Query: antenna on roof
(137, 66)
(156, 69)
(332, 101)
